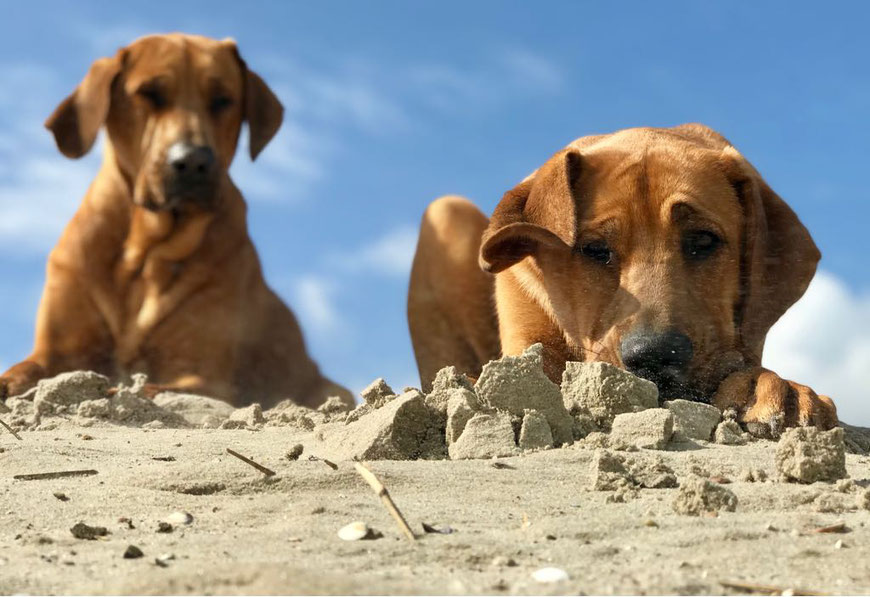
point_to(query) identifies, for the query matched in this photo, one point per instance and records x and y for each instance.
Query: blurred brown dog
(661, 251)
(156, 272)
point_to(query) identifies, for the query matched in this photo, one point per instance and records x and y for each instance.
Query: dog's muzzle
(190, 175)
(661, 357)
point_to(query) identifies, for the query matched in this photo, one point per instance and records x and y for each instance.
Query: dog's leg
(70, 334)
(188, 384)
(523, 321)
(273, 363)
(451, 314)
(20, 378)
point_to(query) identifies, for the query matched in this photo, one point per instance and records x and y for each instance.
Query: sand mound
(85, 398)
(512, 409)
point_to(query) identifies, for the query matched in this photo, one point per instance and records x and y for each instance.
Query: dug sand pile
(512, 485)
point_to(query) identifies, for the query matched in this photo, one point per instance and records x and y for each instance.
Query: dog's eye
(220, 103)
(700, 244)
(153, 95)
(597, 251)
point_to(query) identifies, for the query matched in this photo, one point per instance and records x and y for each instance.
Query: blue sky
(391, 104)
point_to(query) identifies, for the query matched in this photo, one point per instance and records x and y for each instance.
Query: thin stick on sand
(328, 463)
(837, 527)
(259, 467)
(767, 589)
(12, 431)
(382, 492)
(57, 475)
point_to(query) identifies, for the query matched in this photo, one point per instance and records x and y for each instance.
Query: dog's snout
(661, 357)
(190, 175)
(189, 162)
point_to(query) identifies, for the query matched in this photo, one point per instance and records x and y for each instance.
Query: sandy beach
(253, 534)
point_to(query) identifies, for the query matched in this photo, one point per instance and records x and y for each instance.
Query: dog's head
(659, 250)
(173, 106)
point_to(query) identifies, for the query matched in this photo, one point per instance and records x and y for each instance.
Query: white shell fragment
(549, 575)
(179, 518)
(354, 531)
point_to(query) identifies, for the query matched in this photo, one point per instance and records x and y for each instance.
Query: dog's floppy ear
(263, 111)
(77, 120)
(778, 256)
(541, 210)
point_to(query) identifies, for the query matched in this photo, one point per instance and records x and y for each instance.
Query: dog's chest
(149, 297)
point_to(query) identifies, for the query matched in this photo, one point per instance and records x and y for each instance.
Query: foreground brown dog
(662, 251)
(156, 272)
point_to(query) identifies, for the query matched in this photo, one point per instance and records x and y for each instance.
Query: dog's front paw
(766, 403)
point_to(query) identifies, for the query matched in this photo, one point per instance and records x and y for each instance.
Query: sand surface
(251, 534)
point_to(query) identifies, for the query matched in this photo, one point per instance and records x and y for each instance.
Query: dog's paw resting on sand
(766, 403)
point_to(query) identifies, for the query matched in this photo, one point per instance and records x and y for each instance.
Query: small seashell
(550, 575)
(179, 518)
(354, 531)
(445, 530)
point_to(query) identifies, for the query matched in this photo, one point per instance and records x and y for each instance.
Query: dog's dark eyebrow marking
(157, 83)
(217, 84)
(682, 209)
(606, 226)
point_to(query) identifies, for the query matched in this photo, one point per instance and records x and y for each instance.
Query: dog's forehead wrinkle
(180, 57)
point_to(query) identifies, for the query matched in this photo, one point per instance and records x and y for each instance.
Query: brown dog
(661, 251)
(156, 272)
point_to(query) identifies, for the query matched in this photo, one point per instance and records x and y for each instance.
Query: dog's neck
(170, 234)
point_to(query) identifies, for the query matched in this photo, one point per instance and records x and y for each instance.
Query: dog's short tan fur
(137, 283)
(639, 194)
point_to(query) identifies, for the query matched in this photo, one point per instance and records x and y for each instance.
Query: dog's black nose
(661, 357)
(189, 163)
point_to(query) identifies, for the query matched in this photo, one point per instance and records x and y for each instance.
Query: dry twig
(837, 527)
(259, 467)
(12, 431)
(328, 463)
(389, 504)
(57, 475)
(767, 589)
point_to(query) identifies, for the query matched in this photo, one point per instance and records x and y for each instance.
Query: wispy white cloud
(37, 201)
(505, 76)
(338, 92)
(39, 188)
(312, 297)
(824, 342)
(105, 39)
(532, 71)
(388, 255)
(287, 170)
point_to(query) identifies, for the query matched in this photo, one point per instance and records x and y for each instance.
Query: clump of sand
(807, 455)
(85, 398)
